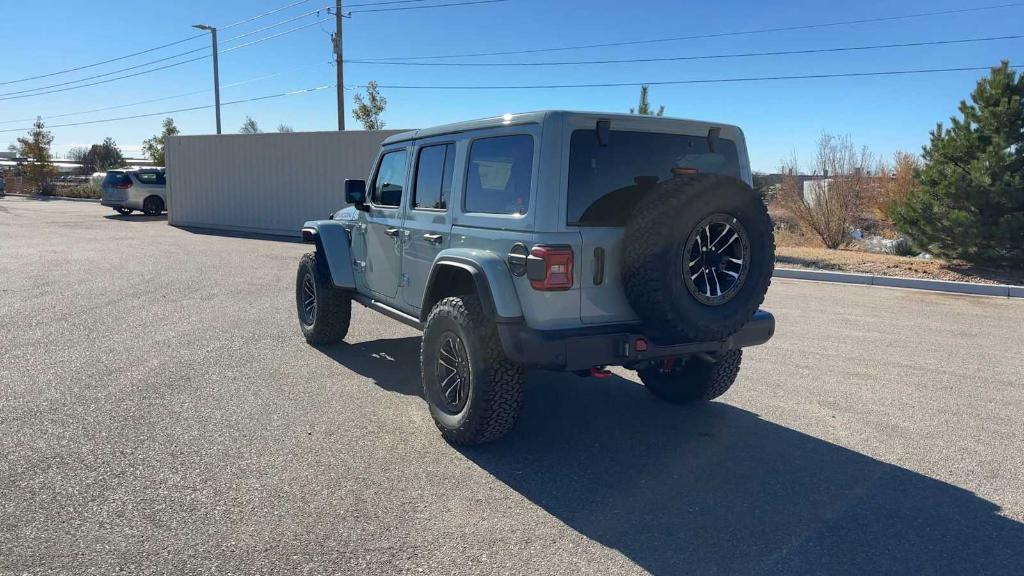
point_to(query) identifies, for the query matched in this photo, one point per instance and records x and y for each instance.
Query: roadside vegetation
(956, 212)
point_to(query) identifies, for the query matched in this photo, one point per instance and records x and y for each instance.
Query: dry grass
(887, 265)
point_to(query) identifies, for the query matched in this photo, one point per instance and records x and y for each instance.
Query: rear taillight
(550, 267)
(123, 185)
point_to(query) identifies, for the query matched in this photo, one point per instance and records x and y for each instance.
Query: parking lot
(160, 413)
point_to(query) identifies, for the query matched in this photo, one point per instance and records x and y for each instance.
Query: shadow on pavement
(392, 363)
(240, 234)
(715, 489)
(136, 217)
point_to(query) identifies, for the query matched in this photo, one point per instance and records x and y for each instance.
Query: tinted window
(498, 175)
(434, 176)
(606, 181)
(115, 178)
(151, 178)
(387, 187)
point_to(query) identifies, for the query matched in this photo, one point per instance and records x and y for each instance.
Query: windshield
(606, 181)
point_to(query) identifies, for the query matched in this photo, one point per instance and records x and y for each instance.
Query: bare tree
(897, 181)
(249, 126)
(284, 128)
(829, 205)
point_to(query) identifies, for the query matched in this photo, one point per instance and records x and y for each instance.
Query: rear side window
(605, 182)
(151, 178)
(390, 180)
(499, 174)
(434, 172)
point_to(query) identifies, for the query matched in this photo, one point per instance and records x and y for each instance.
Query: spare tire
(698, 256)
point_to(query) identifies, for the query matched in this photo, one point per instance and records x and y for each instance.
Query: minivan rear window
(115, 178)
(606, 181)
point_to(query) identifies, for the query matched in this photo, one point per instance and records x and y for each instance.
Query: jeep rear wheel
(324, 310)
(698, 257)
(692, 379)
(473, 390)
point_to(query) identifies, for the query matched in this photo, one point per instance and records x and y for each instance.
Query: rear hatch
(607, 179)
(116, 185)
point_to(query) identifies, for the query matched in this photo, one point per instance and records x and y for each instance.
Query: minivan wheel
(693, 379)
(473, 390)
(324, 310)
(123, 211)
(152, 206)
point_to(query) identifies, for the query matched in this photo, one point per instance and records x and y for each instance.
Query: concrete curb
(1003, 290)
(45, 198)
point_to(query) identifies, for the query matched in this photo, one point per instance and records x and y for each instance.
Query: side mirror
(355, 193)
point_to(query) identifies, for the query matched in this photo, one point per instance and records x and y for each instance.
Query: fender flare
(492, 280)
(332, 242)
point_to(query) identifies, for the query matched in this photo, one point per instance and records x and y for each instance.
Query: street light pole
(216, 70)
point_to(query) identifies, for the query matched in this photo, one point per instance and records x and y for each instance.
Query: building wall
(265, 183)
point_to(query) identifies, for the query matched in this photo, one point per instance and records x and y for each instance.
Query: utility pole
(339, 64)
(216, 70)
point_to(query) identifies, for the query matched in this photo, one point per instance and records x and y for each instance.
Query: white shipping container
(264, 183)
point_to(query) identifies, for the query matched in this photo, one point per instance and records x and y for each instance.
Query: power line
(149, 50)
(171, 97)
(21, 94)
(281, 23)
(125, 57)
(278, 35)
(263, 15)
(179, 110)
(538, 86)
(143, 72)
(690, 81)
(166, 58)
(709, 35)
(424, 7)
(700, 57)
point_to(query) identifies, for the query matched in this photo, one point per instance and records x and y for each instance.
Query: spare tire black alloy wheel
(452, 373)
(716, 259)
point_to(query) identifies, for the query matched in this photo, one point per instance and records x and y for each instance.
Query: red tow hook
(599, 372)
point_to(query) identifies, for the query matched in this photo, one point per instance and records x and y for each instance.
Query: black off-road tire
(152, 206)
(333, 313)
(653, 256)
(693, 380)
(495, 383)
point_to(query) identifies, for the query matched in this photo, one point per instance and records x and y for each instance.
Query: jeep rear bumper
(580, 349)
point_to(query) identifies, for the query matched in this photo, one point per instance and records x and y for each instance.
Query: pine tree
(36, 147)
(644, 106)
(970, 202)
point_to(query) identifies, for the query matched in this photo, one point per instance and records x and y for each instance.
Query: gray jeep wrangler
(553, 240)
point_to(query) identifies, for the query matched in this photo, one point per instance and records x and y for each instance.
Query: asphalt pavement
(160, 413)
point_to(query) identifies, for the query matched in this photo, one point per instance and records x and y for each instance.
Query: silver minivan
(144, 190)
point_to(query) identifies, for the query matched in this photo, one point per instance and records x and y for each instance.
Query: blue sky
(780, 118)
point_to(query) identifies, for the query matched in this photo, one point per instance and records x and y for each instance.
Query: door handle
(433, 238)
(393, 232)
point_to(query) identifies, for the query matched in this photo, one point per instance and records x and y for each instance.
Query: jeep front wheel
(324, 310)
(692, 379)
(474, 391)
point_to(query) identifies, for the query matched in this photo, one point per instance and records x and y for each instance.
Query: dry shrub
(896, 182)
(830, 206)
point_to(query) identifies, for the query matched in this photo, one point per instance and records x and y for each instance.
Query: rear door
(427, 222)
